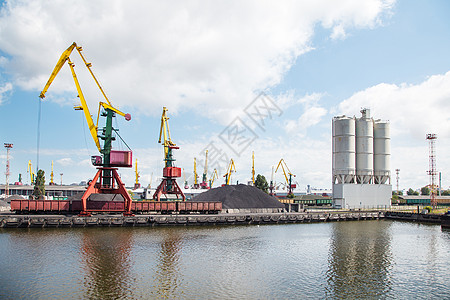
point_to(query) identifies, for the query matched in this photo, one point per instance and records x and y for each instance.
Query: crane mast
(253, 167)
(271, 186)
(195, 174)
(136, 183)
(30, 170)
(51, 176)
(204, 183)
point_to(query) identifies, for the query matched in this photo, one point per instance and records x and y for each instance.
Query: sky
(237, 77)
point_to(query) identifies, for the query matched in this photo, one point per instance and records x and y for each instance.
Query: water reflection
(106, 258)
(167, 271)
(360, 260)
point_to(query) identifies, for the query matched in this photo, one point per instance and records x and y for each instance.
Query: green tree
(39, 185)
(445, 193)
(424, 191)
(261, 183)
(410, 191)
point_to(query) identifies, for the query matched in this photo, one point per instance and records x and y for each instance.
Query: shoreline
(44, 221)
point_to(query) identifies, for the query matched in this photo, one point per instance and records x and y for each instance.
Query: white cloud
(212, 56)
(413, 111)
(312, 115)
(67, 161)
(5, 90)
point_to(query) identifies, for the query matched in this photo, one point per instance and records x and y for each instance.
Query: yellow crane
(169, 183)
(215, 175)
(291, 186)
(51, 176)
(195, 174)
(30, 170)
(93, 128)
(230, 169)
(136, 184)
(103, 181)
(253, 167)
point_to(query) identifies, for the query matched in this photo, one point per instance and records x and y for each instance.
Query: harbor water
(379, 259)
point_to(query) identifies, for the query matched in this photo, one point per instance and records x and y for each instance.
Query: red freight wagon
(74, 206)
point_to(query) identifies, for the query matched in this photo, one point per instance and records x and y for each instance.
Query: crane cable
(38, 135)
(84, 133)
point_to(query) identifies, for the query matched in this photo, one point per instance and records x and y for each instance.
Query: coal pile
(239, 197)
(97, 197)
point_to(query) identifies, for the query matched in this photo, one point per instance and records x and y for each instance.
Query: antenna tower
(7, 173)
(432, 171)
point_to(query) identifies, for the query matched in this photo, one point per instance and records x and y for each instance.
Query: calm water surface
(344, 260)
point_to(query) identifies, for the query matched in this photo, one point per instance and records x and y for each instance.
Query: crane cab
(120, 159)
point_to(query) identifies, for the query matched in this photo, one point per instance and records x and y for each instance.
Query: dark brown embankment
(24, 221)
(414, 217)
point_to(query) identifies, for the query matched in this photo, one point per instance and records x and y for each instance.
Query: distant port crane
(214, 176)
(204, 183)
(231, 168)
(169, 183)
(289, 183)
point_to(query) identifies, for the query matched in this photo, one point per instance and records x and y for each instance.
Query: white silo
(344, 150)
(382, 152)
(361, 162)
(364, 148)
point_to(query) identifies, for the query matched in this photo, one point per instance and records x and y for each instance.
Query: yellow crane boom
(93, 128)
(215, 175)
(230, 169)
(195, 173)
(137, 174)
(51, 176)
(164, 132)
(284, 166)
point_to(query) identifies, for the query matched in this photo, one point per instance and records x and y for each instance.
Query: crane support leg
(163, 189)
(97, 186)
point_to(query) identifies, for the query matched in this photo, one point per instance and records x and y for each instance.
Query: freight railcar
(309, 202)
(25, 206)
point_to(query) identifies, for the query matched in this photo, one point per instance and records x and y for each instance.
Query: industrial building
(361, 162)
(55, 192)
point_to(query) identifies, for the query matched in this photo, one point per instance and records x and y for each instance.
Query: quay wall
(25, 221)
(414, 217)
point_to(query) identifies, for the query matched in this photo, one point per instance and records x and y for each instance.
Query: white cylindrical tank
(343, 149)
(382, 151)
(364, 149)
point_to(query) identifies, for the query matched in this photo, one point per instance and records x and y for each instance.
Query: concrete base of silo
(351, 196)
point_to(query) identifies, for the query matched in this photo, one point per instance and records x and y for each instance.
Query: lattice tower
(432, 167)
(7, 173)
(397, 172)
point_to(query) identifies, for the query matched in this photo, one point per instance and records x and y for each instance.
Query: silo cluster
(361, 150)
